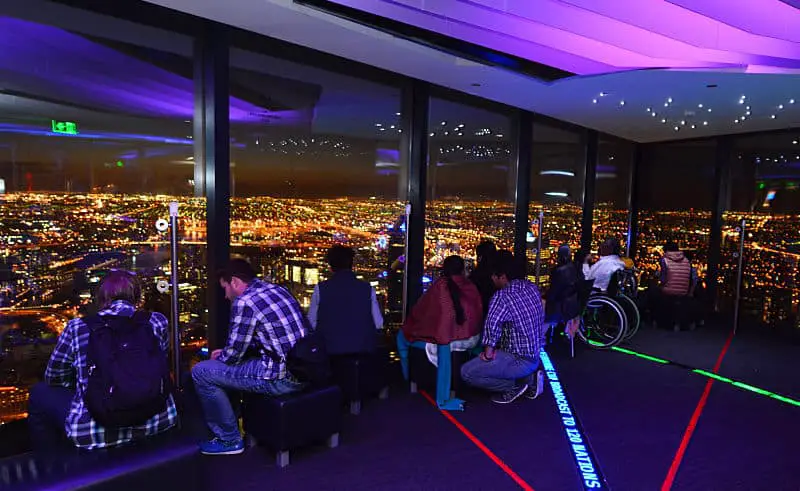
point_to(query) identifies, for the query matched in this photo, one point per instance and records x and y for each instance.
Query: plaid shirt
(265, 319)
(67, 368)
(515, 322)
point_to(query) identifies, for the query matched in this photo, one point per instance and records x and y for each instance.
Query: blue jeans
(212, 378)
(500, 374)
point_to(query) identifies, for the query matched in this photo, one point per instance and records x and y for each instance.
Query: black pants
(48, 408)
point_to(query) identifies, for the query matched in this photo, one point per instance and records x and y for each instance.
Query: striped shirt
(67, 367)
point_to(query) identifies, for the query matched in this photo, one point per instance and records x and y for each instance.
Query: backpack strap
(93, 322)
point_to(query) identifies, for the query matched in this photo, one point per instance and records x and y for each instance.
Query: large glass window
(557, 185)
(676, 196)
(471, 182)
(612, 187)
(95, 141)
(765, 192)
(315, 161)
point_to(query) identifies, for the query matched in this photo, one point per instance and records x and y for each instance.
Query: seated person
(449, 316)
(344, 309)
(58, 406)
(562, 305)
(609, 262)
(482, 275)
(512, 336)
(265, 319)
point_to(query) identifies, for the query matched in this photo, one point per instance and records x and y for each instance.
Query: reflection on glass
(95, 141)
(557, 182)
(612, 184)
(308, 174)
(471, 181)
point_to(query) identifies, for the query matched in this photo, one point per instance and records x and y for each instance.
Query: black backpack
(308, 360)
(129, 380)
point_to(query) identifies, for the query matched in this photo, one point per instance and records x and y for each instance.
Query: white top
(313, 309)
(602, 270)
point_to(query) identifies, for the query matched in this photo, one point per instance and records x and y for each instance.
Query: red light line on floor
(497, 460)
(698, 411)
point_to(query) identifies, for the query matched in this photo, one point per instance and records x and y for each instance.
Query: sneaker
(215, 446)
(510, 395)
(536, 390)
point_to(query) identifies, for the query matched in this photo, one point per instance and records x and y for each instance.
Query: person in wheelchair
(562, 304)
(608, 263)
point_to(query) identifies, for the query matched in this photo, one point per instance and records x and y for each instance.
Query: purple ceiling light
(591, 37)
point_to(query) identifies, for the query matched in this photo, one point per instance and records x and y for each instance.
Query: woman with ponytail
(448, 317)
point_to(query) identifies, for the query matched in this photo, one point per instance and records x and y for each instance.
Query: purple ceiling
(589, 37)
(44, 61)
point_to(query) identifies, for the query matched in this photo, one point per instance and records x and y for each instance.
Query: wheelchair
(610, 317)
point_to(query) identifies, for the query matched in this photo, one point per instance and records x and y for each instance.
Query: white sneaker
(536, 390)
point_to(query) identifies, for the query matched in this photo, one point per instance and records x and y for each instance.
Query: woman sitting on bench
(448, 317)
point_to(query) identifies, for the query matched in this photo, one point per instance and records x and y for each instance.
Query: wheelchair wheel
(604, 322)
(631, 314)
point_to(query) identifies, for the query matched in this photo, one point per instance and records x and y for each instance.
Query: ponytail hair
(454, 266)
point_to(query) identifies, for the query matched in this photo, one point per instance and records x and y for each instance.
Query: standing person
(266, 321)
(66, 398)
(563, 304)
(447, 317)
(512, 336)
(677, 280)
(344, 309)
(482, 275)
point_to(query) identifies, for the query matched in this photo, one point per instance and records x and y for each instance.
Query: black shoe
(510, 396)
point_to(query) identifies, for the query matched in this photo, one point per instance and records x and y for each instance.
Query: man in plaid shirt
(57, 404)
(512, 336)
(266, 322)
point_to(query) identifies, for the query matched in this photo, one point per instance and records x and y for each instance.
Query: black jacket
(562, 297)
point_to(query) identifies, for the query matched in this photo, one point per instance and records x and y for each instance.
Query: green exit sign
(65, 127)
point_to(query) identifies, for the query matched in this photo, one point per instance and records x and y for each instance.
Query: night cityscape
(56, 248)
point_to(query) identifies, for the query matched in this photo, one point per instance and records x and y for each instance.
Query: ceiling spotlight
(594, 101)
(772, 116)
(461, 125)
(392, 126)
(378, 125)
(700, 106)
(780, 106)
(397, 114)
(666, 104)
(683, 123)
(747, 113)
(649, 109)
(709, 109)
(621, 103)
(743, 118)
(432, 134)
(444, 123)
(663, 120)
(748, 108)
(669, 100)
(653, 114)
(741, 101)
(603, 94)
(735, 120)
(794, 142)
(791, 101)
(705, 123)
(693, 126)
(677, 128)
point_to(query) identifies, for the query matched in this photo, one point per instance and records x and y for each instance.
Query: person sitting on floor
(265, 319)
(447, 317)
(608, 264)
(77, 370)
(344, 309)
(512, 336)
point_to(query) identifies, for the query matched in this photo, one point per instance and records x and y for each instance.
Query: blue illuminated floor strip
(588, 468)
